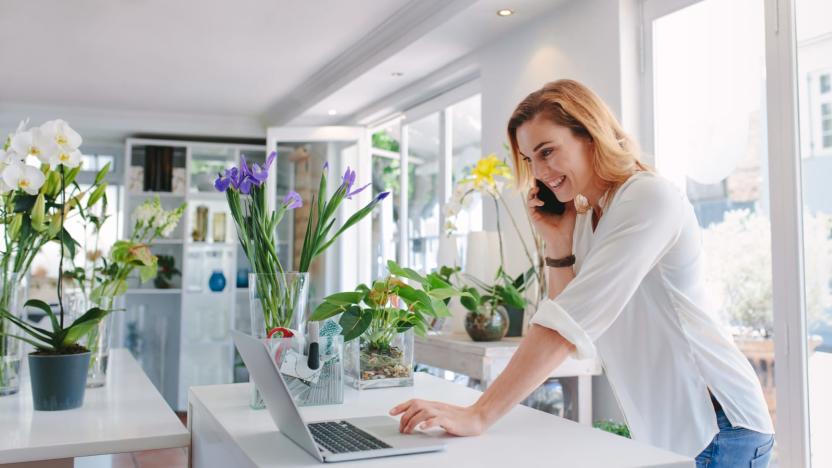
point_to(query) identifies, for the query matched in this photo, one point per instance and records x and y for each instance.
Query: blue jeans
(735, 447)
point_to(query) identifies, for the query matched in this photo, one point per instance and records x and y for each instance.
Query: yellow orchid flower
(487, 169)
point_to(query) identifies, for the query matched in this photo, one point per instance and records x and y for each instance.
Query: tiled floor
(164, 458)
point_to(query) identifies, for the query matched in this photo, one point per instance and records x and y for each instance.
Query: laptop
(327, 441)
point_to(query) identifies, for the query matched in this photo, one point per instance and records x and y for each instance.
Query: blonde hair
(570, 104)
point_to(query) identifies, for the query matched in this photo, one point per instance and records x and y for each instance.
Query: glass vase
(369, 366)
(13, 290)
(97, 340)
(276, 300)
(490, 323)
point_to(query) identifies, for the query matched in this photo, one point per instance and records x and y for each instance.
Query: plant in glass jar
(487, 304)
(378, 323)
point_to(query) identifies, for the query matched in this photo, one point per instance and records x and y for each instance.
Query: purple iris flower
(326, 165)
(230, 178)
(292, 200)
(222, 183)
(382, 196)
(245, 186)
(349, 181)
(260, 174)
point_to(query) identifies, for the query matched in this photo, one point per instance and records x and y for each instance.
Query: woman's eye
(546, 152)
(527, 159)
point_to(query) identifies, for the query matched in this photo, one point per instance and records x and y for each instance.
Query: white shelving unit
(195, 348)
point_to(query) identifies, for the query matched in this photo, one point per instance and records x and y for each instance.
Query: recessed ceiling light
(397, 74)
(505, 12)
(332, 112)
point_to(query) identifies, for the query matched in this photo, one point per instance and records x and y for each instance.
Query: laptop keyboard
(343, 437)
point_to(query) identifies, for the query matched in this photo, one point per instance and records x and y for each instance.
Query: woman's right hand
(556, 230)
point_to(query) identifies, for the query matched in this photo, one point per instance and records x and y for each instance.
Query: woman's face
(557, 157)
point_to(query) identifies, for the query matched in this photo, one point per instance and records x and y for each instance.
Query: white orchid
(65, 156)
(61, 134)
(23, 177)
(33, 143)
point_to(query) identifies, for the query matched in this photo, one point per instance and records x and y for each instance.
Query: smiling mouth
(557, 182)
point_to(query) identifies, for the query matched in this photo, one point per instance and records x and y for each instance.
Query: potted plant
(489, 177)
(166, 271)
(37, 201)
(488, 305)
(378, 324)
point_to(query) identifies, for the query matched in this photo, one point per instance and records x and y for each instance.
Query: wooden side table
(486, 360)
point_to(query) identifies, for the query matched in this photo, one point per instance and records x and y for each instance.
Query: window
(826, 124)
(467, 150)
(825, 85)
(705, 55)
(423, 192)
(386, 177)
(442, 145)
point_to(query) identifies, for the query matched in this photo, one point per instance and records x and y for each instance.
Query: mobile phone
(551, 204)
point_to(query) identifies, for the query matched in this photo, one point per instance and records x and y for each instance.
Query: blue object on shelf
(217, 281)
(242, 278)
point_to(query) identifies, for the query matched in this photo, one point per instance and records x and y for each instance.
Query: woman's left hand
(456, 420)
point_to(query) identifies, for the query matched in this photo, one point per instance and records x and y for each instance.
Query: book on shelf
(158, 168)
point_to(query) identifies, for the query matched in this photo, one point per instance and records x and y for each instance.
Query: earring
(581, 204)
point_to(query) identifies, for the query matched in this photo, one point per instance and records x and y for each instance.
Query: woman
(625, 283)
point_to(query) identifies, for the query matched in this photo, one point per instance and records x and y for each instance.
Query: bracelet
(560, 262)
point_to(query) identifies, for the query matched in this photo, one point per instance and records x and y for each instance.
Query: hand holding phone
(551, 204)
(553, 220)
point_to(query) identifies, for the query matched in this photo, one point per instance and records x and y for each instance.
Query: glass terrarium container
(380, 363)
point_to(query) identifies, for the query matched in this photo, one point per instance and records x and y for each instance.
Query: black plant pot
(58, 380)
(515, 321)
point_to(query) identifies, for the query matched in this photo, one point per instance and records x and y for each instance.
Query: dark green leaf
(355, 322)
(326, 310)
(345, 298)
(39, 304)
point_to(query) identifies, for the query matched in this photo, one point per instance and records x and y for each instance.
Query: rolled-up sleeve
(641, 224)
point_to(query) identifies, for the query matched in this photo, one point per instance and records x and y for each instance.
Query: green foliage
(505, 290)
(390, 306)
(60, 338)
(613, 427)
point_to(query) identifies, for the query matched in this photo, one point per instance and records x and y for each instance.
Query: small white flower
(59, 133)
(33, 143)
(65, 156)
(144, 213)
(23, 177)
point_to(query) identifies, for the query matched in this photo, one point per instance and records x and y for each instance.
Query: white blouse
(638, 301)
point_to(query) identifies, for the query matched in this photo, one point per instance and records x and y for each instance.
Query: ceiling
(281, 61)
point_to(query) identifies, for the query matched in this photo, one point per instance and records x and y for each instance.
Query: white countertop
(126, 415)
(525, 437)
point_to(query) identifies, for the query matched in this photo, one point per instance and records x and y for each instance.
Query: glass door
(813, 56)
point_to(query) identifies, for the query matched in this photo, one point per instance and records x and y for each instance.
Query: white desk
(486, 360)
(225, 433)
(126, 415)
